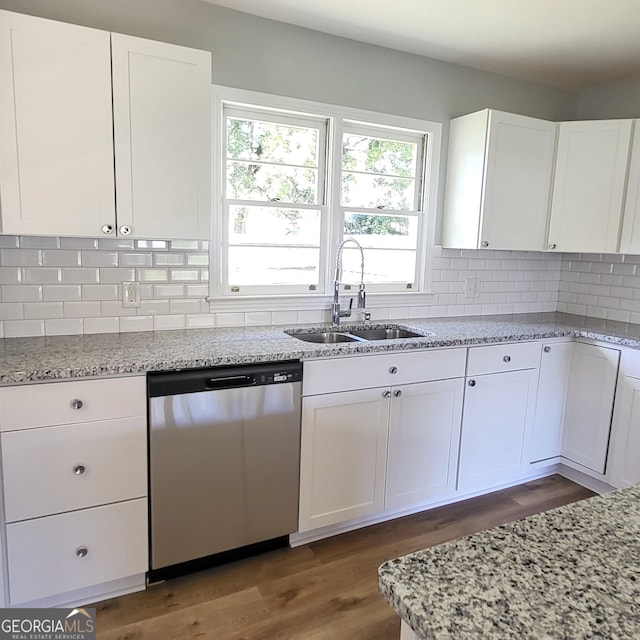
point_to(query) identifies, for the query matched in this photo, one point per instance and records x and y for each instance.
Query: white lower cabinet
(388, 447)
(343, 455)
(624, 467)
(546, 436)
(70, 551)
(74, 471)
(498, 411)
(588, 409)
(424, 435)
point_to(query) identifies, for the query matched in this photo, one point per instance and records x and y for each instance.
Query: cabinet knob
(552, 245)
(76, 404)
(81, 552)
(485, 244)
(507, 359)
(125, 230)
(386, 394)
(393, 370)
(79, 469)
(547, 349)
(472, 383)
(107, 229)
(397, 393)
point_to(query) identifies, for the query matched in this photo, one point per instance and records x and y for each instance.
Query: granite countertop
(568, 573)
(65, 357)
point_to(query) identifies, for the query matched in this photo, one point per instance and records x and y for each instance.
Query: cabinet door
(625, 456)
(498, 410)
(162, 134)
(630, 238)
(56, 156)
(546, 435)
(424, 437)
(517, 183)
(590, 177)
(587, 419)
(343, 456)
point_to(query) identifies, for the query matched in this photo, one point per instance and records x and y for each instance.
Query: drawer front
(503, 357)
(364, 372)
(41, 405)
(46, 557)
(58, 469)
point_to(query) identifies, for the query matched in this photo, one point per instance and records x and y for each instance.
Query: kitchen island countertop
(67, 357)
(568, 573)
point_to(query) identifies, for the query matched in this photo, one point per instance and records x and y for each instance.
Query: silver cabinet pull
(81, 552)
(547, 349)
(107, 229)
(552, 245)
(397, 393)
(79, 469)
(507, 359)
(386, 394)
(76, 404)
(125, 230)
(485, 244)
(393, 370)
(472, 383)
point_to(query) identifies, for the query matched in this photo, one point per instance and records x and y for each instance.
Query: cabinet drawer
(55, 403)
(69, 467)
(503, 357)
(344, 374)
(45, 555)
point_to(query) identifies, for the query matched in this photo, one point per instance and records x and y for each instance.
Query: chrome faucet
(336, 312)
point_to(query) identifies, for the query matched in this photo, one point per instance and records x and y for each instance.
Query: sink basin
(325, 337)
(385, 334)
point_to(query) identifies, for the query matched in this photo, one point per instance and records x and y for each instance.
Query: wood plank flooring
(326, 590)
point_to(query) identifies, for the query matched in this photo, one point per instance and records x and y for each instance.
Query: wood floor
(326, 590)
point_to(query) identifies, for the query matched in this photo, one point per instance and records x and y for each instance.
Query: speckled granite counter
(573, 572)
(62, 357)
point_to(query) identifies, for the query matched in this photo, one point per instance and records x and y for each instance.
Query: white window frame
(221, 300)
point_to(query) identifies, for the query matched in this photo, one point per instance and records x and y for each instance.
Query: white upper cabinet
(630, 238)
(73, 102)
(56, 156)
(162, 134)
(590, 179)
(498, 181)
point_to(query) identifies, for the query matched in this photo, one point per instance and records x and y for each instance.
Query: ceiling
(568, 44)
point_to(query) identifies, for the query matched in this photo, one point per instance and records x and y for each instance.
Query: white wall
(621, 100)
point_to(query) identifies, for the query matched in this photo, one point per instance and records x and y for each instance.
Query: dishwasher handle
(230, 381)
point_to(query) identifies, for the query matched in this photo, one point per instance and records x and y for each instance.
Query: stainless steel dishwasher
(224, 451)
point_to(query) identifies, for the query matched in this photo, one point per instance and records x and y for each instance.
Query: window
(295, 179)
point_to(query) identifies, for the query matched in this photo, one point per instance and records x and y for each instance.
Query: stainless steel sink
(385, 334)
(325, 337)
(355, 334)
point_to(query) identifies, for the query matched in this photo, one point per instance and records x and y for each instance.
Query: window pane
(270, 182)
(380, 265)
(377, 155)
(361, 190)
(272, 142)
(273, 266)
(267, 225)
(375, 231)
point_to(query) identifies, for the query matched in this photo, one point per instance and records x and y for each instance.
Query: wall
(60, 285)
(621, 100)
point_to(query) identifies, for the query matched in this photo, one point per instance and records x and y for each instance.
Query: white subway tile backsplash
(197, 290)
(61, 292)
(78, 243)
(153, 307)
(82, 309)
(65, 327)
(60, 258)
(111, 244)
(39, 242)
(116, 275)
(201, 322)
(284, 317)
(41, 275)
(42, 310)
(184, 306)
(21, 257)
(9, 242)
(167, 323)
(101, 325)
(162, 245)
(198, 259)
(99, 258)
(168, 259)
(136, 323)
(115, 308)
(100, 292)
(80, 275)
(10, 275)
(257, 318)
(23, 328)
(185, 245)
(11, 310)
(168, 290)
(184, 275)
(21, 293)
(152, 275)
(127, 259)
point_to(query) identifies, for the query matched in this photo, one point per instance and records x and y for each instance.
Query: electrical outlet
(130, 294)
(472, 287)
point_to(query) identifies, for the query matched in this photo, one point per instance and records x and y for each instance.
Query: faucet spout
(336, 312)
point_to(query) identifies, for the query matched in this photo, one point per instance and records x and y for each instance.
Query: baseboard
(583, 479)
